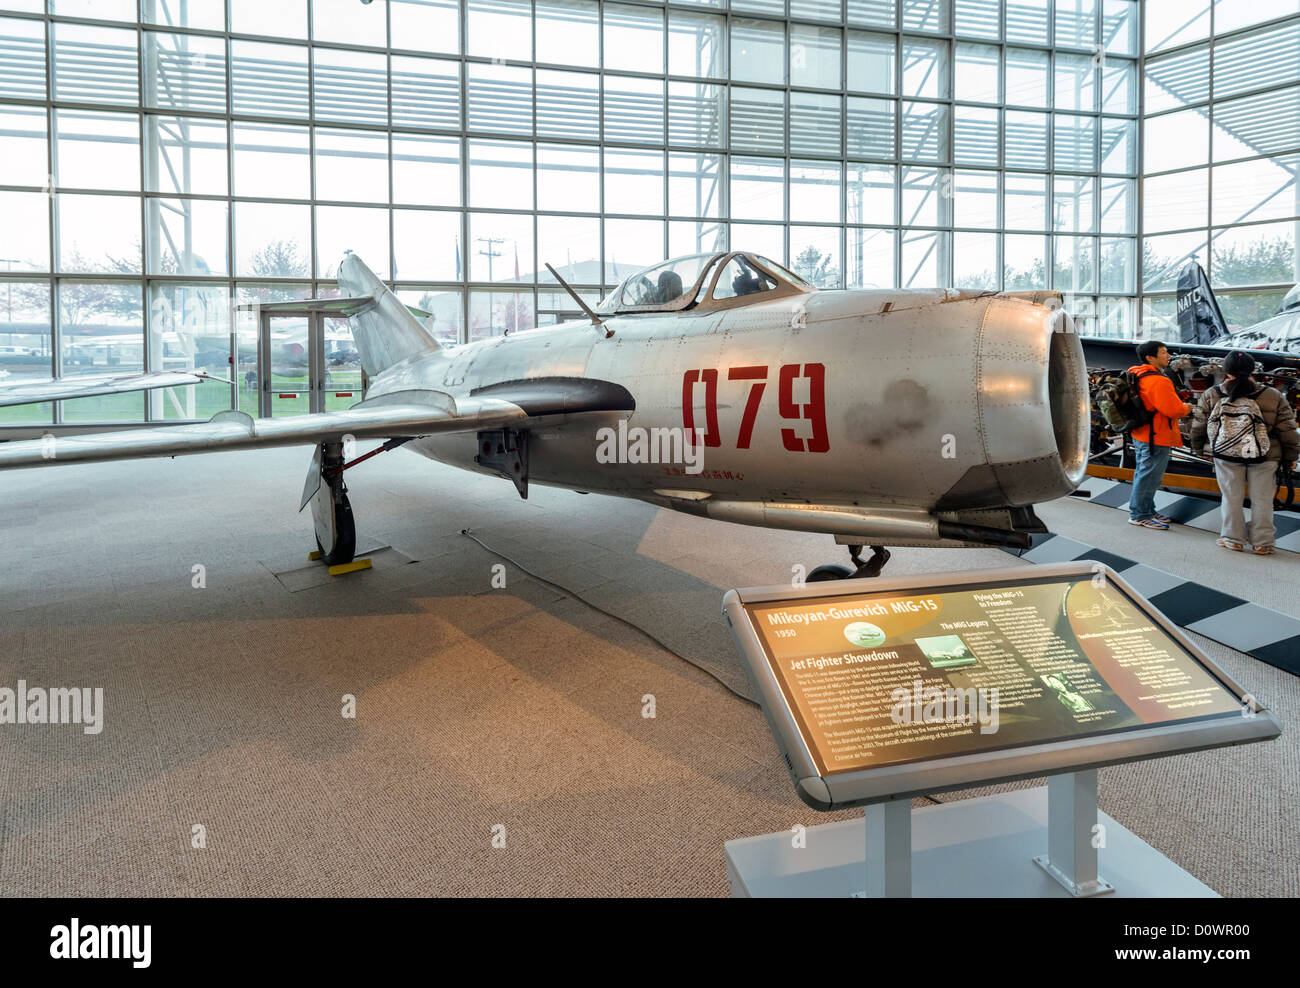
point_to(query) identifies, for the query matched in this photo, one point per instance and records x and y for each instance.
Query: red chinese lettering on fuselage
(813, 411)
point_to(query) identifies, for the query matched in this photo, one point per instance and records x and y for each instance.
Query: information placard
(875, 675)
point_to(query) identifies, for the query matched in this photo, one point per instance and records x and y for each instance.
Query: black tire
(828, 572)
(344, 549)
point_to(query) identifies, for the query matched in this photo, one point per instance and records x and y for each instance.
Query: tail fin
(1199, 318)
(386, 333)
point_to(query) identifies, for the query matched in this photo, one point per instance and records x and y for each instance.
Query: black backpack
(1119, 399)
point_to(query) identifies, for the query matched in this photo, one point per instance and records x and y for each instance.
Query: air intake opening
(1067, 390)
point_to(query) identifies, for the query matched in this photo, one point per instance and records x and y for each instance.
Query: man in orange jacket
(1154, 443)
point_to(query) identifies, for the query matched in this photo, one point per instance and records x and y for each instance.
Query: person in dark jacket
(1256, 480)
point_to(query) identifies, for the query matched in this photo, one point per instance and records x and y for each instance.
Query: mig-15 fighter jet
(719, 384)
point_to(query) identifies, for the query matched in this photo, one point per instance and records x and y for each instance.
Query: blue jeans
(1152, 461)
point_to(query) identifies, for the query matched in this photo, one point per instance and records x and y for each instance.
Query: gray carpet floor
(484, 716)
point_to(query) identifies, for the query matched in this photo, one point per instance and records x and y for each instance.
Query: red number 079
(812, 412)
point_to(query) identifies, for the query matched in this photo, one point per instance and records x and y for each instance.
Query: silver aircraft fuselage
(920, 402)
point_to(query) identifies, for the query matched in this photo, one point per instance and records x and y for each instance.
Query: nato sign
(890, 688)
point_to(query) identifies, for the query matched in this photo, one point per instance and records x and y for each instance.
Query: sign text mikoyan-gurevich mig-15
(917, 418)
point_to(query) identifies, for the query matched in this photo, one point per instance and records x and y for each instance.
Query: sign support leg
(889, 849)
(1071, 856)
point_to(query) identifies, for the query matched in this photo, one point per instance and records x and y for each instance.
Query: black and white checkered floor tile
(1268, 635)
(1186, 509)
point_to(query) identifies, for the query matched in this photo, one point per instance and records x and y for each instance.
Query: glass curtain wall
(1222, 142)
(167, 159)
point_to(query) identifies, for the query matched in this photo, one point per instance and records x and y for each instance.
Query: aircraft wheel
(344, 548)
(828, 572)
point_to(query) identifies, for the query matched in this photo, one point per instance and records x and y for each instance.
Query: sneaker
(1230, 544)
(1162, 518)
(1262, 550)
(1159, 526)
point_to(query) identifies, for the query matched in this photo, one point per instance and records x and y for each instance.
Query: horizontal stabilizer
(90, 385)
(403, 413)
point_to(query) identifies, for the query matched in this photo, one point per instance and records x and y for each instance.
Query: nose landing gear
(861, 569)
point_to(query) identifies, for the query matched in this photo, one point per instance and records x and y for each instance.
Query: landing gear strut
(861, 569)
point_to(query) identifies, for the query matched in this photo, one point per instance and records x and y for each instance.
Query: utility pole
(491, 251)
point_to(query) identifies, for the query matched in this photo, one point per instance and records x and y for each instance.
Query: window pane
(697, 45)
(977, 18)
(500, 29)
(501, 98)
(634, 38)
(870, 259)
(22, 55)
(975, 136)
(1076, 83)
(757, 188)
(501, 246)
(922, 257)
(697, 114)
(975, 260)
(269, 80)
(27, 231)
(814, 193)
(95, 64)
(25, 161)
(568, 104)
(1025, 202)
(1177, 201)
(346, 22)
(501, 174)
(189, 327)
(568, 178)
(923, 201)
(814, 57)
(1075, 142)
(103, 330)
(98, 233)
(426, 25)
(568, 32)
(758, 120)
(871, 63)
(695, 185)
(444, 308)
(757, 51)
(426, 93)
(185, 155)
(871, 127)
(815, 124)
(426, 170)
(631, 245)
(97, 150)
(272, 162)
(350, 85)
(1176, 140)
(634, 182)
(1076, 23)
(975, 199)
(351, 165)
(187, 236)
(570, 244)
(282, 19)
(1264, 189)
(1118, 209)
(1024, 262)
(1254, 255)
(1026, 77)
(870, 194)
(185, 72)
(272, 240)
(634, 109)
(815, 255)
(426, 244)
(494, 313)
(925, 69)
(925, 131)
(26, 328)
(360, 230)
(978, 73)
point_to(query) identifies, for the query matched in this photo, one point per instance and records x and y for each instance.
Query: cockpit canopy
(700, 281)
